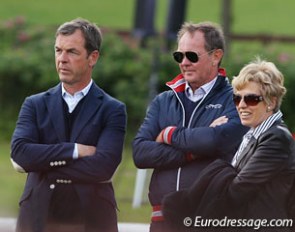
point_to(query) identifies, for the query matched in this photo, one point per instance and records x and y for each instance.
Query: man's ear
(93, 58)
(217, 56)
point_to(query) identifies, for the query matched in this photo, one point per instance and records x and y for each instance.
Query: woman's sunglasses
(250, 99)
(191, 56)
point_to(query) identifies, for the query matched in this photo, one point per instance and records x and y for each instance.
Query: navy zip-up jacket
(173, 168)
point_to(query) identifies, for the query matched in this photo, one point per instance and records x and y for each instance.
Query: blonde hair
(267, 75)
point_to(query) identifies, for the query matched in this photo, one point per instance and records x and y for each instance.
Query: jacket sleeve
(206, 141)
(101, 166)
(25, 146)
(147, 153)
(271, 156)
(206, 196)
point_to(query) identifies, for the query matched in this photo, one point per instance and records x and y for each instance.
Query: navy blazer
(39, 146)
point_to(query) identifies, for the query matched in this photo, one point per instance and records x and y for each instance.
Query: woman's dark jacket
(260, 187)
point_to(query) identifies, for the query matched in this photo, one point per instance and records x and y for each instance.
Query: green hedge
(124, 70)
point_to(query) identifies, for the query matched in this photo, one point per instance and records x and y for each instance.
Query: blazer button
(52, 186)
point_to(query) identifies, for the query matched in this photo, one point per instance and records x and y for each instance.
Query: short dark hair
(91, 32)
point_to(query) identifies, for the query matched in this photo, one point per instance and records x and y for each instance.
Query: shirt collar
(266, 124)
(83, 91)
(204, 89)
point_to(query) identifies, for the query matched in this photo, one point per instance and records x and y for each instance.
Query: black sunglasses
(191, 56)
(250, 99)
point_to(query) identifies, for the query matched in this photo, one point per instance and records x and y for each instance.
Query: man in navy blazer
(69, 140)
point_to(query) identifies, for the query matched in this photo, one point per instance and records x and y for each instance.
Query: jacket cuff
(167, 134)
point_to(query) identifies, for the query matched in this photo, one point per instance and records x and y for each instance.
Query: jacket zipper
(189, 124)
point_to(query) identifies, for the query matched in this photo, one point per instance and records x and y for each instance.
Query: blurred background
(136, 61)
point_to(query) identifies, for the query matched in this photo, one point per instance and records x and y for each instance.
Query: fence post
(175, 18)
(144, 17)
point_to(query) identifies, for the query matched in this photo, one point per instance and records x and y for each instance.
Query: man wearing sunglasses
(184, 128)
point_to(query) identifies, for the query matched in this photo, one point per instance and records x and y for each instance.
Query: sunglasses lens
(192, 57)
(237, 99)
(250, 100)
(178, 57)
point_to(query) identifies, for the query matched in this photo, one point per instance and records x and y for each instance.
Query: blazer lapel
(246, 152)
(91, 104)
(55, 111)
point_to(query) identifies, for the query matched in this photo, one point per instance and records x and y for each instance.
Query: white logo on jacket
(211, 106)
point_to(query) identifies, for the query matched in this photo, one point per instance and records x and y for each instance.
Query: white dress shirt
(73, 100)
(199, 93)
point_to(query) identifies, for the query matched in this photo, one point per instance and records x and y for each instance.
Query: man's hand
(85, 150)
(159, 138)
(219, 121)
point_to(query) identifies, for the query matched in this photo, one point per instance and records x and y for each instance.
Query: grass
(56, 11)
(11, 183)
(248, 16)
(124, 184)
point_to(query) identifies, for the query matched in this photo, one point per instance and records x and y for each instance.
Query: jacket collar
(55, 110)
(178, 83)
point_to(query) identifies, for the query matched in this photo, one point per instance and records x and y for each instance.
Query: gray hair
(213, 34)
